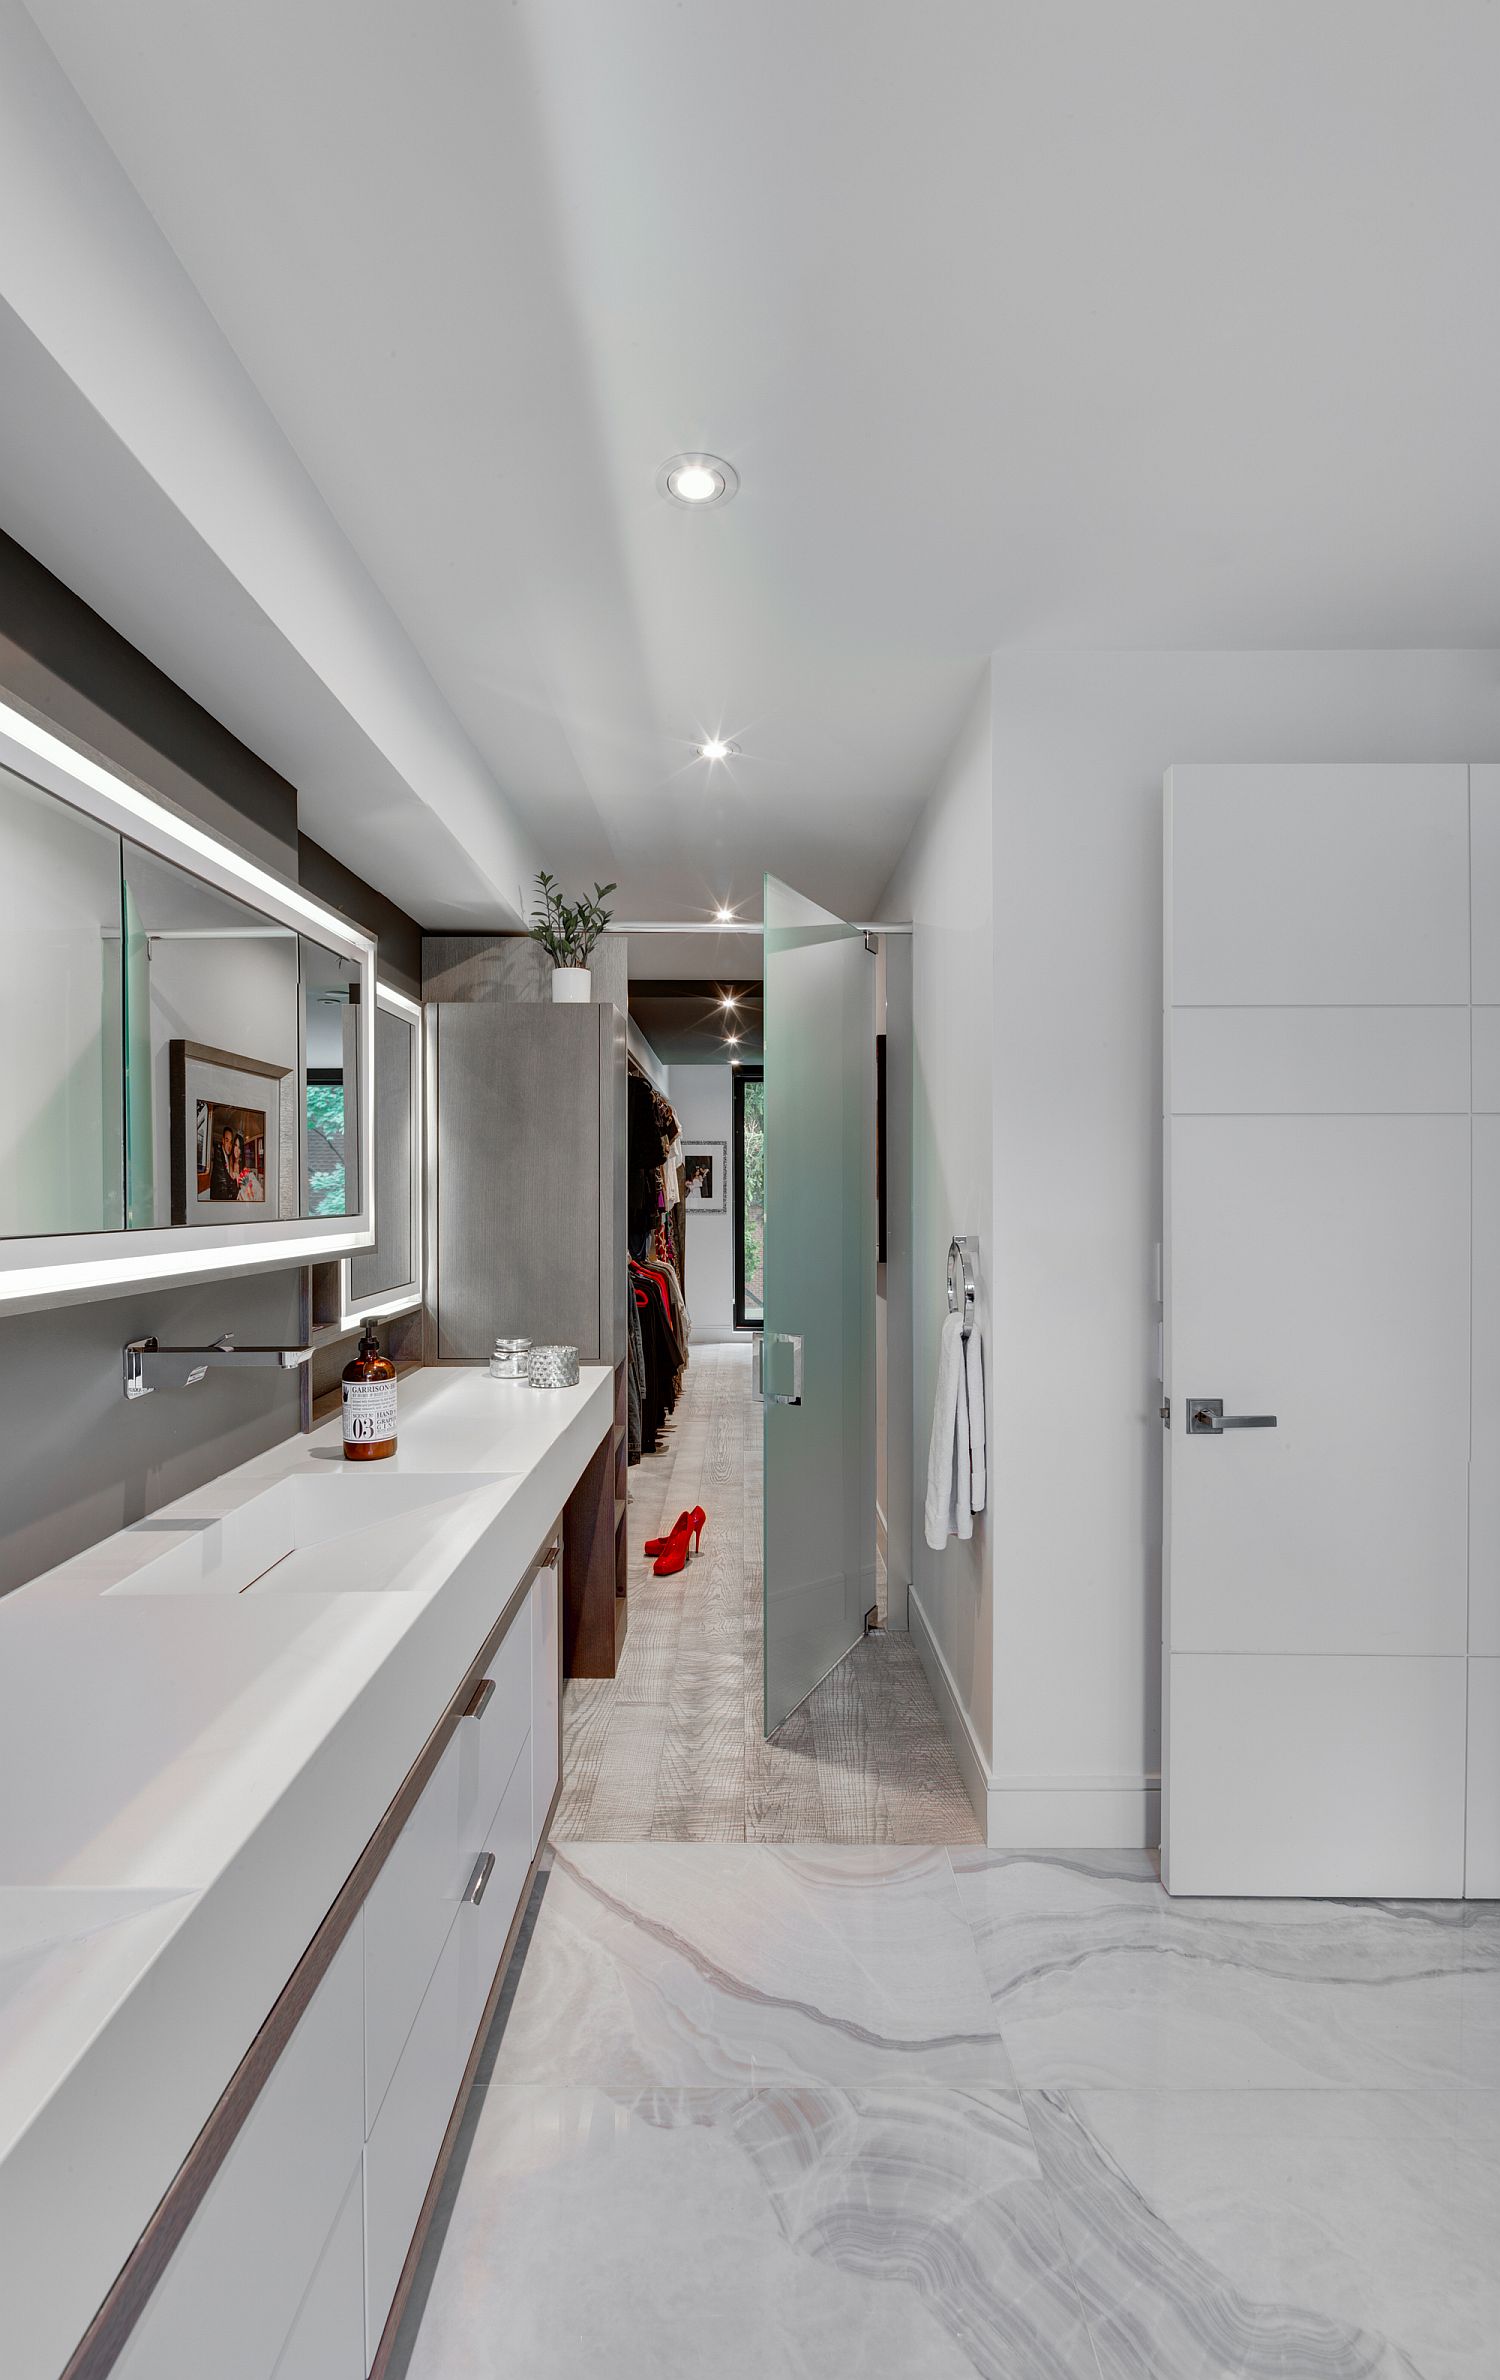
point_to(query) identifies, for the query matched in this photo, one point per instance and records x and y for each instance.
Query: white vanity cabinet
(231, 2293)
(291, 2263)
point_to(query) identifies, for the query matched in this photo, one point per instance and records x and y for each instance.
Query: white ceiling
(1022, 320)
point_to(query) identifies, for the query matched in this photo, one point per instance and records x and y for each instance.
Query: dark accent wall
(76, 1461)
(399, 936)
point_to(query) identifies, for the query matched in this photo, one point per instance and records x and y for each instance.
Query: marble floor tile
(789, 2234)
(1097, 1978)
(1324, 2234)
(697, 1964)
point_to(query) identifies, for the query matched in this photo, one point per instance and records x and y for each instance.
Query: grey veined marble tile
(699, 1964)
(793, 2234)
(1281, 2235)
(1098, 1978)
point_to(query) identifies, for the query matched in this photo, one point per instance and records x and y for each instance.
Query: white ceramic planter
(570, 985)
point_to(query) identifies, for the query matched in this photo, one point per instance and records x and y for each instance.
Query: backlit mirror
(185, 1043)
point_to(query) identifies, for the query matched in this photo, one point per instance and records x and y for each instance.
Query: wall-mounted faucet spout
(149, 1366)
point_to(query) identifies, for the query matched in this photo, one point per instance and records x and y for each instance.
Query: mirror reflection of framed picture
(230, 1139)
(707, 1171)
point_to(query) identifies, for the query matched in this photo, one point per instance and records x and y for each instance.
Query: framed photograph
(230, 1139)
(707, 1167)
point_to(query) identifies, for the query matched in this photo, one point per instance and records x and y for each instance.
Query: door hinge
(872, 944)
(1166, 1413)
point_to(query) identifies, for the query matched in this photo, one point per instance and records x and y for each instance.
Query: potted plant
(567, 932)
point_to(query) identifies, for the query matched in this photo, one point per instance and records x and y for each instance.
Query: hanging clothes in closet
(660, 1325)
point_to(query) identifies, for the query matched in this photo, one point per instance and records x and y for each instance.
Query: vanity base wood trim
(594, 1612)
(104, 2340)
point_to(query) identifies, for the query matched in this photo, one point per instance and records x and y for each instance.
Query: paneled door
(816, 1350)
(1316, 1335)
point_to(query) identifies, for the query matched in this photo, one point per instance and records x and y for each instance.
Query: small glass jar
(509, 1359)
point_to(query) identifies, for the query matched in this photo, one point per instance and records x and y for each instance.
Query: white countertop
(202, 1719)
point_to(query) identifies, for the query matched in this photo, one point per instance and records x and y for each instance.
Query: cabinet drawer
(328, 2336)
(402, 2148)
(408, 1915)
(227, 2301)
(545, 1675)
(488, 1743)
(483, 1925)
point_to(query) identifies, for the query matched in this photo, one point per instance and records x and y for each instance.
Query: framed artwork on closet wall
(705, 1166)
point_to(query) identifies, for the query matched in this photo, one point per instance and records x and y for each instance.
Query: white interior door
(1317, 1305)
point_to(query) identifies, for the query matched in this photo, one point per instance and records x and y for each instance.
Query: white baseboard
(1102, 1813)
(1073, 1814)
(958, 1727)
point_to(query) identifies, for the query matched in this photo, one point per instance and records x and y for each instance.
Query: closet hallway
(671, 1749)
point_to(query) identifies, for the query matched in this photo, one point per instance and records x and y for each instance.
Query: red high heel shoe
(684, 1520)
(674, 1554)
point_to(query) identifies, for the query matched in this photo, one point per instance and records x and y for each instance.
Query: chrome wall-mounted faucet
(149, 1366)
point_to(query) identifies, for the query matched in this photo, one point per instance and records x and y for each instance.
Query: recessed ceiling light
(728, 1000)
(717, 749)
(731, 1041)
(697, 481)
(723, 916)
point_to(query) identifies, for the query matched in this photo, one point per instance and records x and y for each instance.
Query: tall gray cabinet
(527, 1236)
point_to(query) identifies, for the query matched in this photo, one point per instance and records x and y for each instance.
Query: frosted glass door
(817, 1365)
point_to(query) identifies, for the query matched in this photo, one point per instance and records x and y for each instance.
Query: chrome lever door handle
(484, 1868)
(1206, 1418)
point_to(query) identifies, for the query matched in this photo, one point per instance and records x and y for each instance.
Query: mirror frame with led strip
(49, 1269)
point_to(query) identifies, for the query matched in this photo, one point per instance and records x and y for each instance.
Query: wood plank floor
(672, 1751)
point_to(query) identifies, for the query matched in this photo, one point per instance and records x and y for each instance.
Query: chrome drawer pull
(484, 1868)
(474, 1707)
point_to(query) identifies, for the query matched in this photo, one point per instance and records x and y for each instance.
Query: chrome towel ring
(963, 1269)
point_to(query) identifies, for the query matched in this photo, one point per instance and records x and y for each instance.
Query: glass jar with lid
(509, 1359)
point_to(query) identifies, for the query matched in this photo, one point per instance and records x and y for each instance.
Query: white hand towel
(948, 1511)
(974, 1388)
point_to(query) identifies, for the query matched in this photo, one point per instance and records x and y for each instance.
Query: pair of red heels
(671, 1551)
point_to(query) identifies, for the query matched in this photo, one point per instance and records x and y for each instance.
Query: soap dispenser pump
(369, 1402)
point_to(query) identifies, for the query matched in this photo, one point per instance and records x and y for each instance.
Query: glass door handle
(1206, 1418)
(778, 1338)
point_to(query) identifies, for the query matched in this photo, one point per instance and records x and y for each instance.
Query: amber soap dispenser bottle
(369, 1402)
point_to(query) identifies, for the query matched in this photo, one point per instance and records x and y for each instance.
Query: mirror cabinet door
(62, 1132)
(330, 1108)
(211, 1052)
(393, 1263)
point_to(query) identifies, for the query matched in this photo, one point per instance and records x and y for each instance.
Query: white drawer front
(489, 1743)
(230, 2295)
(328, 2336)
(484, 1926)
(402, 2148)
(544, 1696)
(408, 1915)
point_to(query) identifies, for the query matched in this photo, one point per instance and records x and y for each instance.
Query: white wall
(943, 884)
(703, 1098)
(1081, 743)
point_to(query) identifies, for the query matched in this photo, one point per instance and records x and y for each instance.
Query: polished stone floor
(780, 2113)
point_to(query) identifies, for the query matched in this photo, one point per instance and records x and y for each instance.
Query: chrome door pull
(1206, 1418)
(792, 1339)
(758, 1388)
(484, 1868)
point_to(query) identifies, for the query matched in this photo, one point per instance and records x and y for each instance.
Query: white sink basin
(358, 1528)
